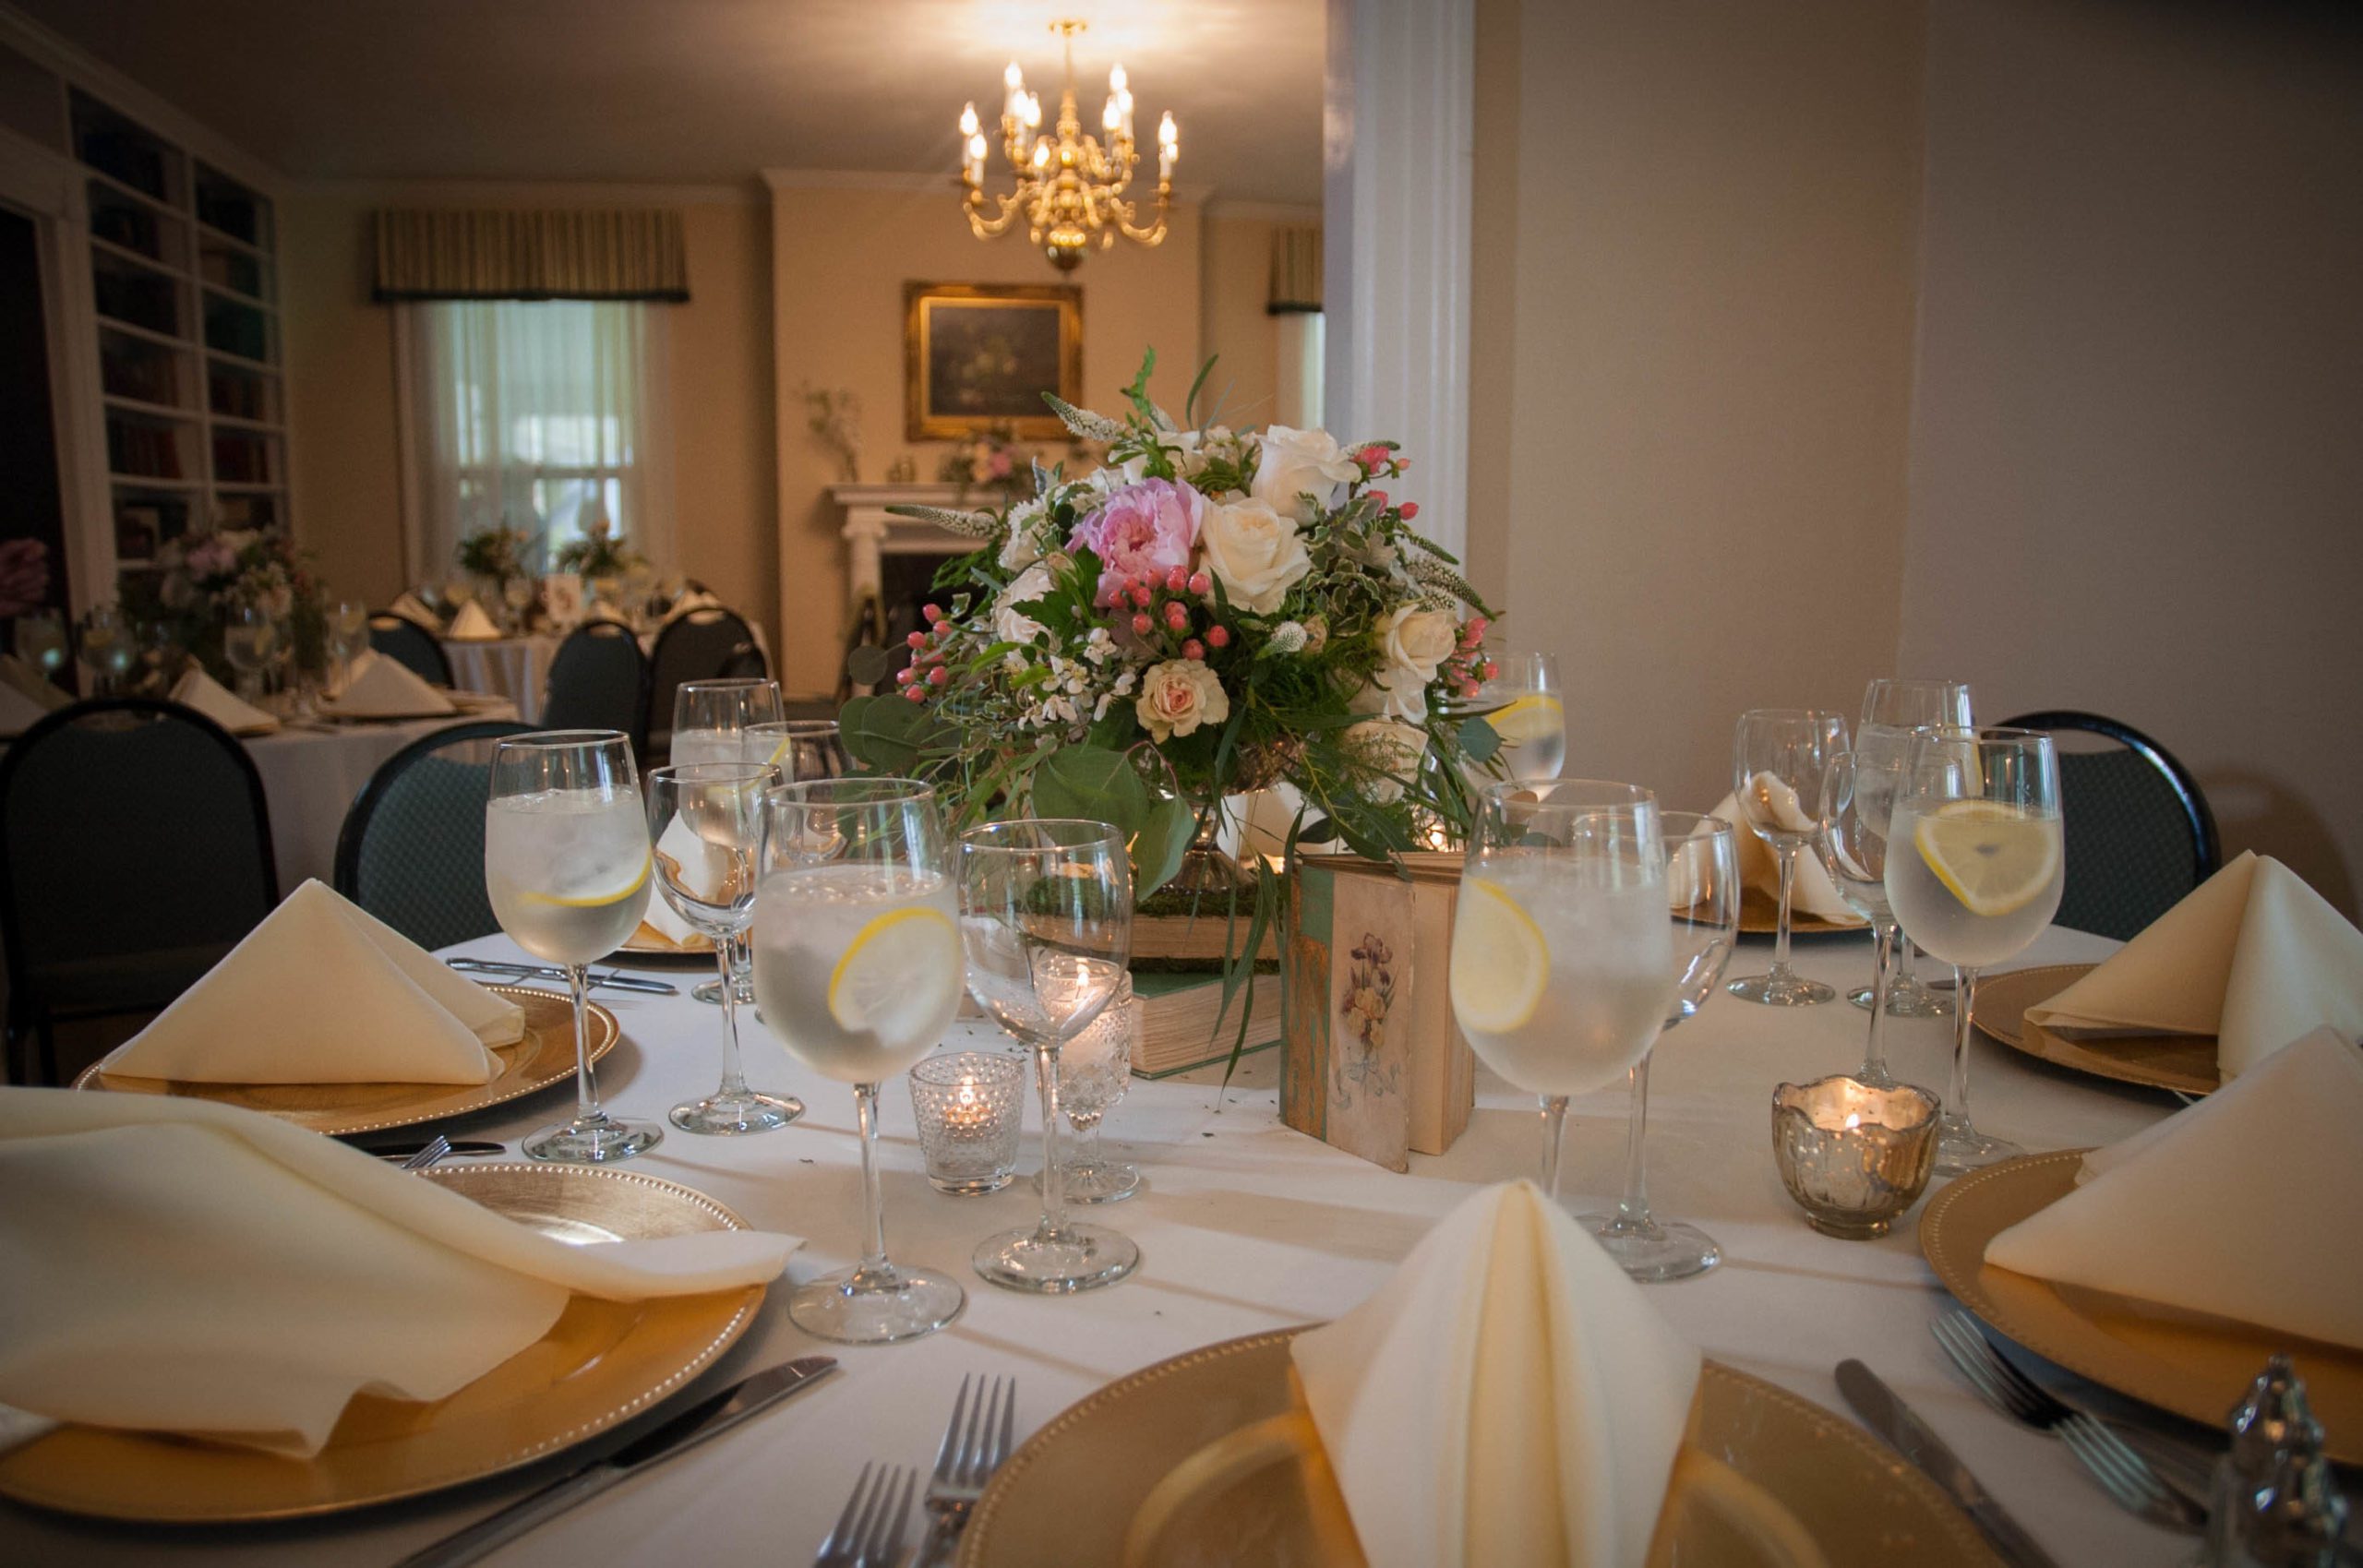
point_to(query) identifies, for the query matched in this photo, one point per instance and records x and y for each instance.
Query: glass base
(603, 1140)
(1907, 1000)
(879, 1307)
(1099, 1181)
(727, 1116)
(1962, 1148)
(1653, 1250)
(1781, 990)
(1075, 1257)
(710, 991)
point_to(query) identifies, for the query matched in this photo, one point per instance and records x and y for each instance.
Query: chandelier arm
(1155, 233)
(985, 228)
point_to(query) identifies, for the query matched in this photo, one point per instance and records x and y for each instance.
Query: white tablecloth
(514, 667)
(1246, 1225)
(309, 778)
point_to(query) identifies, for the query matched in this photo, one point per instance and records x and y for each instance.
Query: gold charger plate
(2194, 1366)
(546, 1056)
(602, 1363)
(2184, 1063)
(1071, 1493)
(1759, 916)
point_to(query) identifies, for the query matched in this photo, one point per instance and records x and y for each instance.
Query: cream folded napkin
(22, 678)
(2197, 1212)
(411, 609)
(696, 599)
(681, 843)
(383, 688)
(1813, 891)
(1507, 1398)
(184, 1266)
(472, 625)
(19, 712)
(324, 992)
(2253, 956)
(210, 697)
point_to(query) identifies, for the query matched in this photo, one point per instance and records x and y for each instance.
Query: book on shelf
(1184, 1024)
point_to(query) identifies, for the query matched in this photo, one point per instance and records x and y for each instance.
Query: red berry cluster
(1166, 610)
(926, 671)
(1470, 666)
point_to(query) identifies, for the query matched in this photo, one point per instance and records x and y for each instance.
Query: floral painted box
(1371, 1059)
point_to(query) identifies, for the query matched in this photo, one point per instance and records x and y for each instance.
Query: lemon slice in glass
(896, 972)
(1528, 718)
(1993, 856)
(598, 900)
(1501, 962)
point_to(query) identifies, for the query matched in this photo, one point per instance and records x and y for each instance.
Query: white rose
(1418, 640)
(1296, 463)
(1393, 747)
(1181, 444)
(1024, 545)
(1254, 552)
(1008, 624)
(1403, 697)
(1177, 697)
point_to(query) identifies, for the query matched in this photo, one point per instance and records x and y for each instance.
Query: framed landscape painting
(979, 358)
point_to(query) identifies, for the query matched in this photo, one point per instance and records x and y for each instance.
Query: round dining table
(514, 667)
(311, 773)
(1243, 1225)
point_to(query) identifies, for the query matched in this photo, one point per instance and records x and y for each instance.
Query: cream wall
(344, 448)
(2137, 479)
(1235, 324)
(1691, 369)
(843, 253)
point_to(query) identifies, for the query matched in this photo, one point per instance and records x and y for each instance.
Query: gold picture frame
(979, 358)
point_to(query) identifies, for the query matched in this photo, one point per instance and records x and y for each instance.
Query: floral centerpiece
(1212, 612)
(599, 552)
(201, 575)
(494, 555)
(991, 460)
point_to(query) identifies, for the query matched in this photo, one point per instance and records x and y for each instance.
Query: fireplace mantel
(871, 532)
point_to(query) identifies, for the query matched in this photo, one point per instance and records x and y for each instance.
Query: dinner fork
(435, 1149)
(869, 1534)
(2126, 1475)
(975, 1441)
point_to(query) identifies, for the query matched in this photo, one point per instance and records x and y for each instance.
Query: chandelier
(1070, 187)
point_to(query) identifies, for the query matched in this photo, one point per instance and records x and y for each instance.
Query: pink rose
(1149, 527)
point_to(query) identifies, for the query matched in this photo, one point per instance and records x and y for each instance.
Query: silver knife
(614, 979)
(708, 1417)
(1889, 1416)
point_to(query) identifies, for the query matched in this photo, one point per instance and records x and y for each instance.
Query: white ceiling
(706, 90)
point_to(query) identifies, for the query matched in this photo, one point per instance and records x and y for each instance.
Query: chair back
(701, 645)
(2140, 834)
(407, 642)
(598, 681)
(412, 849)
(134, 850)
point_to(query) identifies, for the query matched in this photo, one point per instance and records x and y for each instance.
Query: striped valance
(1296, 270)
(534, 254)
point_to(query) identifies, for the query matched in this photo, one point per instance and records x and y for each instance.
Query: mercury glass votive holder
(1853, 1157)
(970, 1108)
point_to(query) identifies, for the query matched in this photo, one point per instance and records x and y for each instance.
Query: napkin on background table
(383, 688)
(324, 992)
(19, 712)
(1508, 1396)
(696, 599)
(411, 609)
(184, 1266)
(2253, 956)
(1759, 868)
(2195, 1213)
(210, 697)
(22, 677)
(472, 625)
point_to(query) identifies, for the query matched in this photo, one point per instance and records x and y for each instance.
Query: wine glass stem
(874, 1208)
(1903, 959)
(734, 1078)
(1634, 1207)
(586, 1086)
(1883, 939)
(1555, 1129)
(1055, 1186)
(1787, 855)
(1964, 996)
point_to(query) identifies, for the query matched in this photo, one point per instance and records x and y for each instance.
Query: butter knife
(1889, 1416)
(708, 1417)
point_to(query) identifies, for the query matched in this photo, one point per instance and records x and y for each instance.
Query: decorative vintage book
(1183, 1023)
(1373, 1062)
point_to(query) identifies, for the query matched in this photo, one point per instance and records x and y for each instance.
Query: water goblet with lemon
(1974, 868)
(1524, 704)
(566, 863)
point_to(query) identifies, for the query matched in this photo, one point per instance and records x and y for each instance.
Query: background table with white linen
(310, 776)
(1246, 1225)
(514, 667)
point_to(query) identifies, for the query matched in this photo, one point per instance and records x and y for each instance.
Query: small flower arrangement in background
(495, 553)
(988, 461)
(600, 551)
(835, 416)
(201, 575)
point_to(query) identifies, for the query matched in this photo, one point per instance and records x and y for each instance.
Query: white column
(1297, 401)
(1399, 141)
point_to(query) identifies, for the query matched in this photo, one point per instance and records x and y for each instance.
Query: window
(538, 415)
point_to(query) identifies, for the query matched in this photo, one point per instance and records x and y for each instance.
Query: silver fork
(434, 1150)
(2126, 1476)
(975, 1441)
(869, 1534)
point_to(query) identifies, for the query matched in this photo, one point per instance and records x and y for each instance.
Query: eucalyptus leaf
(886, 734)
(1084, 780)
(1478, 740)
(1163, 840)
(867, 665)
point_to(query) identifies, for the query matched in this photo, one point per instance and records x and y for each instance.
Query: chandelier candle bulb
(1853, 1157)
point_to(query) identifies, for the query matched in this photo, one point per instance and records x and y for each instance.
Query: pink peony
(1150, 526)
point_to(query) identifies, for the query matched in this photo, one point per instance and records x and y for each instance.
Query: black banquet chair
(701, 645)
(135, 851)
(407, 642)
(412, 848)
(598, 681)
(2140, 834)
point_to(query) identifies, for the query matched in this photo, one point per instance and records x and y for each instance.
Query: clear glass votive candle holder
(970, 1108)
(1853, 1157)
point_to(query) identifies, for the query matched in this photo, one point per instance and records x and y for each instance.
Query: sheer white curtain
(541, 414)
(1299, 403)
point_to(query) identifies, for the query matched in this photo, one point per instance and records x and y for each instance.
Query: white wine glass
(1778, 758)
(1855, 814)
(1702, 893)
(250, 641)
(1974, 874)
(566, 863)
(1046, 911)
(710, 720)
(800, 748)
(1562, 968)
(857, 967)
(348, 638)
(41, 641)
(1908, 705)
(703, 820)
(1526, 707)
(108, 648)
